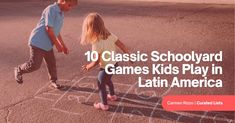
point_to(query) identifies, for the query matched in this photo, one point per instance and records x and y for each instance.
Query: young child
(41, 41)
(95, 33)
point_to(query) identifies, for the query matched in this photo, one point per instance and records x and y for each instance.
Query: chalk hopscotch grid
(131, 86)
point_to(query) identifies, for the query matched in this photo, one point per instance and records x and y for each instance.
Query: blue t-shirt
(53, 17)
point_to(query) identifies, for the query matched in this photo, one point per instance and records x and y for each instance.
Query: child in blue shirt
(41, 41)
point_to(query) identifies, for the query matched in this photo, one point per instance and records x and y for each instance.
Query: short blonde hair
(93, 29)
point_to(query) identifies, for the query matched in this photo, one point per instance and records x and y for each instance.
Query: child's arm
(64, 48)
(53, 38)
(92, 64)
(122, 47)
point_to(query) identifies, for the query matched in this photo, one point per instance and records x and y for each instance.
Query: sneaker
(55, 85)
(112, 97)
(18, 75)
(101, 106)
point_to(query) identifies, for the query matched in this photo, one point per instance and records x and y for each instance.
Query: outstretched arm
(122, 47)
(92, 64)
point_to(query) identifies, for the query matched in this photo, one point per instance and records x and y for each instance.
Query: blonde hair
(93, 29)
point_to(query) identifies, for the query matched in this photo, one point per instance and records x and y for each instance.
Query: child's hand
(85, 68)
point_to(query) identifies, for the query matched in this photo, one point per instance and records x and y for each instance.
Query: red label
(199, 103)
